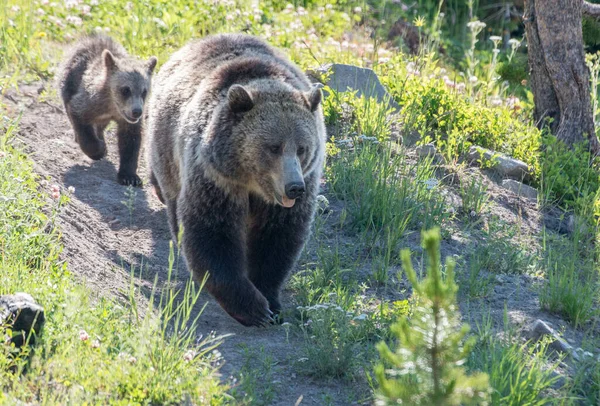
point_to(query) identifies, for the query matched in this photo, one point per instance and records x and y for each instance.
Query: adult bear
(236, 147)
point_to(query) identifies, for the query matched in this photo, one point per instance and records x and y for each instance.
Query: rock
(520, 189)
(426, 150)
(344, 78)
(364, 138)
(22, 314)
(503, 164)
(582, 354)
(576, 224)
(540, 329)
(322, 205)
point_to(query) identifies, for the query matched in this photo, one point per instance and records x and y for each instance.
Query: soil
(104, 240)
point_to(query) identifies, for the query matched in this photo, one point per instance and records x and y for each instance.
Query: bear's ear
(239, 99)
(314, 98)
(151, 64)
(109, 60)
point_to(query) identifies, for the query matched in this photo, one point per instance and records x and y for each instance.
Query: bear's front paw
(128, 179)
(249, 308)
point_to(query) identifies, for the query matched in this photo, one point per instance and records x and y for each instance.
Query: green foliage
(514, 71)
(256, 376)
(569, 177)
(441, 113)
(499, 250)
(474, 196)
(102, 352)
(571, 289)
(586, 385)
(425, 368)
(591, 31)
(383, 191)
(364, 116)
(519, 374)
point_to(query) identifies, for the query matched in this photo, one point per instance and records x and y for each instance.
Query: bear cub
(99, 82)
(236, 148)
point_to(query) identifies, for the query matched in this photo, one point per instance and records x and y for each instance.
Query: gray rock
(576, 224)
(22, 314)
(519, 188)
(344, 78)
(427, 150)
(503, 164)
(540, 329)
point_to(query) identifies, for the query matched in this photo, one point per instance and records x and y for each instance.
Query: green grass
(571, 289)
(258, 378)
(519, 373)
(91, 349)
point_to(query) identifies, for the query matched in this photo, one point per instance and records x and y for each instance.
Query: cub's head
(129, 83)
(279, 138)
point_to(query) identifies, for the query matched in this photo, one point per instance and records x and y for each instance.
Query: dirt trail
(102, 242)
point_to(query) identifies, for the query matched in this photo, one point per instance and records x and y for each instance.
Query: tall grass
(519, 373)
(93, 350)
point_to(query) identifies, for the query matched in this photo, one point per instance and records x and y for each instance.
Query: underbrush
(90, 350)
(520, 373)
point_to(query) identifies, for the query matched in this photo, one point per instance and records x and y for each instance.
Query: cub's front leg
(130, 140)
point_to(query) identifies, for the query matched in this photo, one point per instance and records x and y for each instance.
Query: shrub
(425, 368)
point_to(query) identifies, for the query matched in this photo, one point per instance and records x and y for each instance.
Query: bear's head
(274, 141)
(129, 83)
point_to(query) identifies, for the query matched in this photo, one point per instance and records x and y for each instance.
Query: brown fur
(236, 132)
(99, 82)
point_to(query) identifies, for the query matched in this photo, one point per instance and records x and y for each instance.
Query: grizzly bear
(236, 147)
(99, 82)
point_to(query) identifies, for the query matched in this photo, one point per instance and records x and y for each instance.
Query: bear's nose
(136, 113)
(294, 190)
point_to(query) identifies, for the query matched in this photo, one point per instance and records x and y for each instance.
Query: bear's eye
(275, 149)
(301, 150)
(125, 91)
(144, 94)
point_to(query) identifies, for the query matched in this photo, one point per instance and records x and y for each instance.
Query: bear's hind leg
(173, 222)
(130, 139)
(157, 190)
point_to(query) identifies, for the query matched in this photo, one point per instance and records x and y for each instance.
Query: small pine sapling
(426, 366)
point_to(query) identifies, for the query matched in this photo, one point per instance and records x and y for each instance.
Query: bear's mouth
(129, 119)
(285, 201)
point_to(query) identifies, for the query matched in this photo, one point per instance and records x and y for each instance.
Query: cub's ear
(151, 64)
(314, 98)
(109, 60)
(240, 101)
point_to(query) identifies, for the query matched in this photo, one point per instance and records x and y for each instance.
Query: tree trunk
(559, 77)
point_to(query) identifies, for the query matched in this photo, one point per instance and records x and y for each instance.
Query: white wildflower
(496, 40)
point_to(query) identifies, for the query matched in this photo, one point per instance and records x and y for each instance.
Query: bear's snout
(294, 190)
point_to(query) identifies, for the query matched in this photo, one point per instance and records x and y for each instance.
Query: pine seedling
(426, 368)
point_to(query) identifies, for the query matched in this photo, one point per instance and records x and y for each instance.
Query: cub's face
(282, 143)
(129, 86)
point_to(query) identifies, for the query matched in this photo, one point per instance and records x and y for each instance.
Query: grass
(258, 378)
(520, 373)
(91, 350)
(571, 289)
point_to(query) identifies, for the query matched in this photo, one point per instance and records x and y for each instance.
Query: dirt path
(102, 241)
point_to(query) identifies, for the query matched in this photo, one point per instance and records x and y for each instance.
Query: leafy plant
(425, 367)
